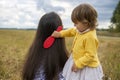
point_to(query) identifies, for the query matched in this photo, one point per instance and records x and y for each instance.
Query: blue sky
(27, 13)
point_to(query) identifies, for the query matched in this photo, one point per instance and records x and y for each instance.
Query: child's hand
(56, 34)
(74, 68)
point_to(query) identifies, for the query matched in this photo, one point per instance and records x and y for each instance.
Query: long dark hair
(51, 59)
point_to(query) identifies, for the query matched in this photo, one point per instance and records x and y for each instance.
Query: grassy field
(14, 45)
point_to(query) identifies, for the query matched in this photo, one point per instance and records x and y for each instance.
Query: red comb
(59, 28)
(50, 40)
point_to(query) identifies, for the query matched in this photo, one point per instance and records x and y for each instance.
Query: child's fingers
(74, 69)
(56, 34)
(53, 33)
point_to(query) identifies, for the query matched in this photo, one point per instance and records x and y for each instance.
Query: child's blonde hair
(86, 14)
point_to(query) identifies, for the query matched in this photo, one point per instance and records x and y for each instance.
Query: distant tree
(116, 19)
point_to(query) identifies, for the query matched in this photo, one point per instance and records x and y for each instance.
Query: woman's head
(85, 14)
(47, 24)
(51, 59)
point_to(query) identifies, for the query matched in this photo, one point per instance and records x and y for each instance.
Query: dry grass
(15, 43)
(13, 47)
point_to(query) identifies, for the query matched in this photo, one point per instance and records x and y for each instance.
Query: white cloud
(30, 24)
(28, 17)
(26, 13)
(47, 6)
(11, 23)
(19, 14)
(104, 24)
(60, 3)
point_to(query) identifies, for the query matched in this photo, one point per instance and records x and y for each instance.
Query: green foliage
(116, 18)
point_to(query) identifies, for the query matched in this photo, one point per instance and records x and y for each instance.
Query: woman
(42, 63)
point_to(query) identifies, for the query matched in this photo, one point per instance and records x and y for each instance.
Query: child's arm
(65, 33)
(56, 34)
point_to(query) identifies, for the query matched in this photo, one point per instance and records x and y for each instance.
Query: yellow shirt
(84, 48)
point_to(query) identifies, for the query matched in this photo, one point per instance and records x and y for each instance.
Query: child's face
(80, 26)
